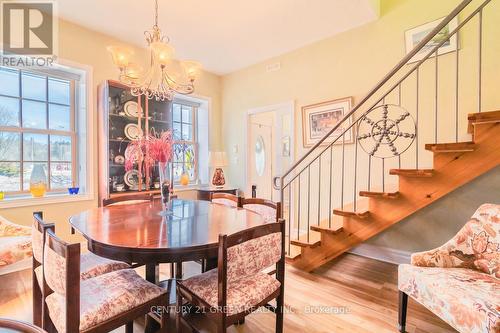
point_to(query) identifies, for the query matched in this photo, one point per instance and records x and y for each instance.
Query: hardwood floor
(350, 294)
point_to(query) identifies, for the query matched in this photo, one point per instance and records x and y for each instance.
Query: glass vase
(166, 181)
(38, 181)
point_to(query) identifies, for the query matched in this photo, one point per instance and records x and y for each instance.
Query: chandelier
(159, 81)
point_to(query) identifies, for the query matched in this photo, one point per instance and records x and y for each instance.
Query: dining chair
(99, 304)
(225, 199)
(19, 326)
(238, 286)
(269, 210)
(91, 265)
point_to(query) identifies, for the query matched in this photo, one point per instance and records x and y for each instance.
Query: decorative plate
(132, 131)
(131, 178)
(132, 109)
(119, 159)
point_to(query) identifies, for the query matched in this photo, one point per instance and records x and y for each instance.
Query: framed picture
(319, 119)
(415, 35)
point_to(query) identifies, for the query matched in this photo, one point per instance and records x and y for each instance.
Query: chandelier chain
(156, 13)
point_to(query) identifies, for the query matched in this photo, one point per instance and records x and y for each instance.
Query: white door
(261, 159)
(270, 150)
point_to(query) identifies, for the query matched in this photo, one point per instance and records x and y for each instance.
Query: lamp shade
(217, 159)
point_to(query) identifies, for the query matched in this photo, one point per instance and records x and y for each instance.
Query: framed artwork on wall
(318, 119)
(415, 35)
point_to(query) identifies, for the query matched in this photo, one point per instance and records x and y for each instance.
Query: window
(184, 117)
(37, 130)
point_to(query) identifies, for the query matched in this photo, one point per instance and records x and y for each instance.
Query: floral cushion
(91, 266)
(251, 257)
(9, 229)
(104, 297)
(466, 299)
(475, 246)
(242, 294)
(225, 202)
(268, 213)
(14, 249)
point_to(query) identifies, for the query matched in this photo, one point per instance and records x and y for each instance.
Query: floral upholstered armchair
(460, 280)
(15, 246)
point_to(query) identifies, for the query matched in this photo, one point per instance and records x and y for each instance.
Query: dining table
(154, 232)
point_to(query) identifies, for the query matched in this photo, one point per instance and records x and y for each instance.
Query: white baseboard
(382, 253)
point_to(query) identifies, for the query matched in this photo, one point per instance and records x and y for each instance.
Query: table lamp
(217, 160)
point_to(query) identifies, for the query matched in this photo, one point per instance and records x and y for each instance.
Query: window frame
(194, 137)
(74, 81)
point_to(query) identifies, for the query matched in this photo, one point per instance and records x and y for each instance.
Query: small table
(204, 193)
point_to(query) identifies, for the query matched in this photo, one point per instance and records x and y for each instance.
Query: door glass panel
(260, 156)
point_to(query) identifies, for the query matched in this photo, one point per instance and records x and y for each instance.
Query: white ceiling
(224, 35)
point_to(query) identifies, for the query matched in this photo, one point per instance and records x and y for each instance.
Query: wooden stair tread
(332, 231)
(482, 118)
(455, 147)
(371, 194)
(293, 253)
(303, 241)
(412, 172)
(346, 213)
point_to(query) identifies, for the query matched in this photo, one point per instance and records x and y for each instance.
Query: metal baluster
(416, 120)
(436, 100)
(319, 188)
(342, 186)
(298, 210)
(480, 17)
(355, 171)
(399, 161)
(308, 199)
(369, 171)
(399, 94)
(331, 183)
(456, 93)
(289, 217)
(383, 174)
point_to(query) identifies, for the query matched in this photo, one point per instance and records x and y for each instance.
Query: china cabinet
(122, 119)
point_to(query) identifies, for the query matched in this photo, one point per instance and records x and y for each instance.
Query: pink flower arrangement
(148, 150)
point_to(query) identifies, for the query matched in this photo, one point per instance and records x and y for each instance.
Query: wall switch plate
(273, 67)
(235, 149)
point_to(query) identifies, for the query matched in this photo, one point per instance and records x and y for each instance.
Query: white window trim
(204, 103)
(90, 167)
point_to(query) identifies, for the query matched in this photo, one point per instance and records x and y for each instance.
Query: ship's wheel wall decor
(386, 131)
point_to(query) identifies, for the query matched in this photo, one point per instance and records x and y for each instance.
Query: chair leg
(129, 327)
(37, 303)
(403, 307)
(279, 312)
(178, 312)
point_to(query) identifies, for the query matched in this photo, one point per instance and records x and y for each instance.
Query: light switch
(235, 149)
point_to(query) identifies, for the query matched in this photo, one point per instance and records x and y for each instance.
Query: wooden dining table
(150, 233)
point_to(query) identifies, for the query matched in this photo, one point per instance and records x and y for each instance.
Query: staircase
(411, 145)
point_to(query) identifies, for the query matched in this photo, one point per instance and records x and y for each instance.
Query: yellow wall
(350, 64)
(84, 46)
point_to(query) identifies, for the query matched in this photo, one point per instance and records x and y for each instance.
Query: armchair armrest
(9, 229)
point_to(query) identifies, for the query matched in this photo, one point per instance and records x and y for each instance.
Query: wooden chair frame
(128, 197)
(264, 202)
(228, 196)
(220, 317)
(71, 252)
(38, 293)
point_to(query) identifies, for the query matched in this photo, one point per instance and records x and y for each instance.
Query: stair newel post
(308, 199)
(330, 184)
(355, 170)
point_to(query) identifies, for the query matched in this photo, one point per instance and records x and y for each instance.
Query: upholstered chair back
(476, 245)
(9, 229)
(254, 255)
(54, 270)
(268, 209)
(38, 229)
